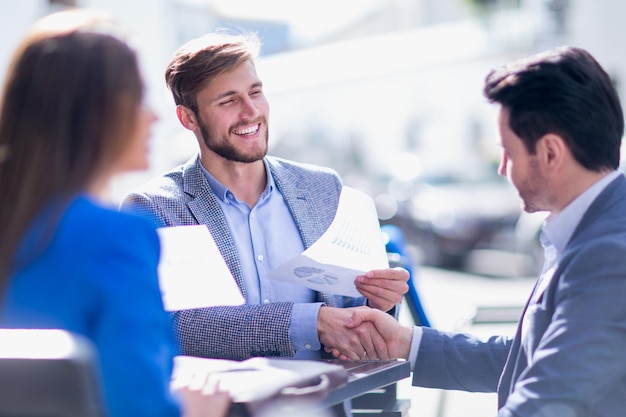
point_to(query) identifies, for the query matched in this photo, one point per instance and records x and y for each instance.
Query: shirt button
(260, 258)
(307, 346)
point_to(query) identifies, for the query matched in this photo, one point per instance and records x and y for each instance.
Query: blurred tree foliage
(485, 5)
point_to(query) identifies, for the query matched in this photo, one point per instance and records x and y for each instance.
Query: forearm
(459, 361)
(234, 332)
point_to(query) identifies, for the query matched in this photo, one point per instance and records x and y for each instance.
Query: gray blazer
(183, 197)
(568, 357)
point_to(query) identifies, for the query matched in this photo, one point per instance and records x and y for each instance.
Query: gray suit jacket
(183, 197)
(568, 357)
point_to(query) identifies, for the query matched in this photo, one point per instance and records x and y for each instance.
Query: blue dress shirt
(266, 236)
(558, 229)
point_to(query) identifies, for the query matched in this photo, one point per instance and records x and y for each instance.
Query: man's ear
(552, 151)
(186, 117)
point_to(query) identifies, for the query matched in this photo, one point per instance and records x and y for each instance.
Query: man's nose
(249, 109)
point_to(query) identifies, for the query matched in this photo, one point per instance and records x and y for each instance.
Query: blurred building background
(387, 92)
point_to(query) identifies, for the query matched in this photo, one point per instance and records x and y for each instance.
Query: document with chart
(352, 245)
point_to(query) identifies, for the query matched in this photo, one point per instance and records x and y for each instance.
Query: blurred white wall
(423, 95)
(154, 34)
(416, 91)
(599, 26)
(14, 20)
(152, 22)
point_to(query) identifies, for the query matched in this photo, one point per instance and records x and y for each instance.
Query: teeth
(247, 131)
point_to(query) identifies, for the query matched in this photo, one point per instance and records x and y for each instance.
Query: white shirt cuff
(415, 344)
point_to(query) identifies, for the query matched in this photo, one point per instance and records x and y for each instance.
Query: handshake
(362, 333)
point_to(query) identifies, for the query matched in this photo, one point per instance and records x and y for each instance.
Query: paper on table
(192, 272)
(257, 379)
(352, 245)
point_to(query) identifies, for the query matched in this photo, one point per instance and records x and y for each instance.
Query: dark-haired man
(561, 126)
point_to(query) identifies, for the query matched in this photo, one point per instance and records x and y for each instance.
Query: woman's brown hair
(70, 99)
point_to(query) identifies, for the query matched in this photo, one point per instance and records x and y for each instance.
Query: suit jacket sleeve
(457, 361)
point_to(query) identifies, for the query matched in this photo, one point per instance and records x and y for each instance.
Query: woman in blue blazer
(71, 118)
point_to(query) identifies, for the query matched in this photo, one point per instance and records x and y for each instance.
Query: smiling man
(262, 211)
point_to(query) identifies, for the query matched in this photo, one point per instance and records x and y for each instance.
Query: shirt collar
(223, 193)
(559, 229)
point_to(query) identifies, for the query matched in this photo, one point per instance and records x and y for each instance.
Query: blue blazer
(98, 277)
(568, 357)
(184, 197)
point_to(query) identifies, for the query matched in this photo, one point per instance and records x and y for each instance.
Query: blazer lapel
(301, 205)
(206, 210)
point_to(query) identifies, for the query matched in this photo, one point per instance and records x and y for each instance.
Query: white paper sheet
(192, 272)
(254, 379)
(352, 245)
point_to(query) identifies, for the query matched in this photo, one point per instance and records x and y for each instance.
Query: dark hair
(565, 92)
(70, 99)
(200, 60)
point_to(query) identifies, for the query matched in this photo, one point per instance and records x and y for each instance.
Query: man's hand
(383, 288)
(357, 342)
(397, 337)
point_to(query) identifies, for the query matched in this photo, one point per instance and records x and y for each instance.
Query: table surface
(365, 376)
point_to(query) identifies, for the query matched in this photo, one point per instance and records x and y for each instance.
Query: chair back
(48, 373)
